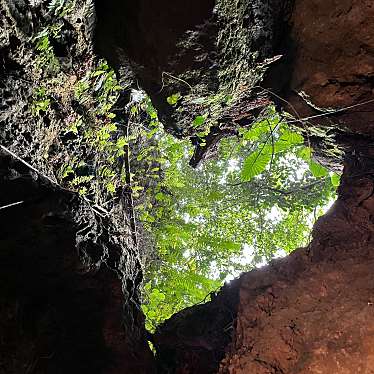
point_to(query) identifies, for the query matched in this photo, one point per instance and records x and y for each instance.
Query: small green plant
(173, 99)
(59, 8)
(198, 121)
(75, 126)
(40, 102)
(40, 106)
(65, 171)
(81, 88)
(46, 57)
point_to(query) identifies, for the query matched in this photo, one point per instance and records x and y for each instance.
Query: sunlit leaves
(198, 121)
(305, 153)
(335, 179)
(287, 140)
(173, 99)
(256, 131)
(317, 170)
(255, 164)
(258, 195)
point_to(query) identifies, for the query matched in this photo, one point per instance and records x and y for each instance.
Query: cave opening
(153, 151)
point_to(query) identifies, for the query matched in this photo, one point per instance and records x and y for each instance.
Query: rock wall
(70, 267)
(58, 314)
(326, 75)
(333, 66)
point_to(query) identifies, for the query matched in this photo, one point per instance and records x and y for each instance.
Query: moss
(229, 55)
(63, 105)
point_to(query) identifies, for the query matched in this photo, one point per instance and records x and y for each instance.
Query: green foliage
(335, 180)
(97, 92)
(173, 99)
(59, 8)
(198, 121)
(317, 170)
(46, 61)
(255, 163)
(41, 101)
(79, 101)
(96, 144)
(40, 106)
(46, 57)
(256, 200)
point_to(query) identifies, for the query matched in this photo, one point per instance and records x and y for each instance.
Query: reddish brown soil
(334, 65)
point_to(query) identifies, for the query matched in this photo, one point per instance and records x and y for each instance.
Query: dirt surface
(334, 61)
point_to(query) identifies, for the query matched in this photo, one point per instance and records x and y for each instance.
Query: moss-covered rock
(211, 67)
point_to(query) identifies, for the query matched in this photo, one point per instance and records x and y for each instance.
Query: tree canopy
(255, 199)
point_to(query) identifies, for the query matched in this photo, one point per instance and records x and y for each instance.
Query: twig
(12, 204)
(96, 208)
(28, 165)
(172, 76)
(331, 112)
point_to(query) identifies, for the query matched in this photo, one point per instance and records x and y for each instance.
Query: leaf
(97, 73)
(66, 170)
(232, 246)
(255, 164)
(335, 179)
(305, 153)
(160, 196)
(259, 128)
(292, 137)
(317, 170)
(198, 121)
(121, 142)
(111, 188)
(137, 188)
(287, 140)
(173, 99)
(214, 195)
